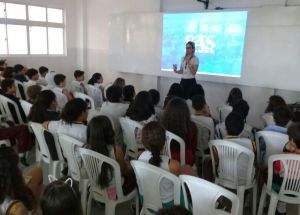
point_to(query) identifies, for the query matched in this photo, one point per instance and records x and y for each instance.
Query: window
(31, 30)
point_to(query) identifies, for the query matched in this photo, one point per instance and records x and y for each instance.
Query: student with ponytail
(154, 138)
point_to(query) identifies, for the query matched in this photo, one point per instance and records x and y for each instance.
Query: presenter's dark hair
(191, 43)
(235, 96)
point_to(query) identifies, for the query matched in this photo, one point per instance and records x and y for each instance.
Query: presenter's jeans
(187, 85)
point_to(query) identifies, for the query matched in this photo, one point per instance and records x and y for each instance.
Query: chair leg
(254, 197)
(241, 194)
(84, 195)
(262, 200)
(89, 206)
(110, 208)
(273, 204)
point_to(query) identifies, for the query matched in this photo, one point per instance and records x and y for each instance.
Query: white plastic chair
(167, 151)
(245, 142)
(149, 178)
(206, 132)
(26, 106)
(95, 93)
(20, 90)
(223, 111)
(228, 155)
(85, 98)
(290, 187)
(5, 103)
(204, 196)
(93, 162)
(130, 129)
(268, 119)
(269, 143)
(70, 148)
(50, 155)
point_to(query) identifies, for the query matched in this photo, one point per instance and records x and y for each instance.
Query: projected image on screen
(218, 36)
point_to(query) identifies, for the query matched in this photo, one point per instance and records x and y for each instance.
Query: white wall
(61, 64)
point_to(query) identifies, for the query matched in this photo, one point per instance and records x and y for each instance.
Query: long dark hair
(60, 198)
(177, 117)
(12, 184)
(234, 96)
(38, 111)
(100, 135)
(141, 108)
(94, 79)
(275, 102)
(176, 90)
(73, 109)
(154, 138)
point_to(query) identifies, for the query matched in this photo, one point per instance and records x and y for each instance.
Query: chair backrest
(20, 90)
(204, 196)
(224, 110)
(6, 102)
(95, 93)
(290, 188)
(149, 179)
(48, 143)
(227, 163)
(68, 145)
(245, 142)
(268, 119)
(93, 162)
(60, 98)
(26, 106)
(130, 129)
(204, 135)
(269, 143)
(206, 124)
(171, 137)
(89, 100)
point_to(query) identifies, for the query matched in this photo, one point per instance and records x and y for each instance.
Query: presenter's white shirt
(187, 74)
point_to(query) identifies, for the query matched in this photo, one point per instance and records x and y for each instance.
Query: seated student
(115, 109)
(33, 92)
(195, 90)
(174, 91)
(44, 108)
(62, 94)
(128, 94)
(77, 85)
(177, 119)
(142, 111)
(9, 89)
(33, 76)
(43, 72)
(282, 117)
(154, 139)
(202, 114)
(50, 79)
(292, 147)
(273, 103)
(74, 117)
(61, 197)
(8, 72)
(155, 100)
(18, 195)
(234, 126)
(21, 134)
(96, 89)
(20, 73)
(119, 82)
(100, 138)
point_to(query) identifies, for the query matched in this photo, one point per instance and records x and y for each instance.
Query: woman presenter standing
(188, 68)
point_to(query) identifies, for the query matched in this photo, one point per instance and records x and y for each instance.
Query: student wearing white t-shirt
(62, 94)
(77, 85)
(188, 68)
(74, 117)
(154, 138)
